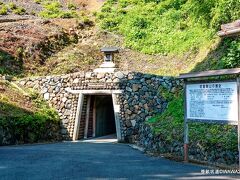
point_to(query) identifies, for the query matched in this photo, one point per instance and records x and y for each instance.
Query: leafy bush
(3, 10)
(51, 10)
(19, 11)
(68, 14)
(231, 58)
(29, 127)
(32, 127)
(54, 10)
(12, 6)
(71, 6)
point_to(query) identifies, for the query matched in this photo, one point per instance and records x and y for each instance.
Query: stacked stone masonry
(140, 98)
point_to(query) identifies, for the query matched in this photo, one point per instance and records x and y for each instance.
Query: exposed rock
(133, 122)
(46, 96)
(135, 87)
(119, 75)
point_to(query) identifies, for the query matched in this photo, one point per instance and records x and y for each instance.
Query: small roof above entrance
(210, 73)
(230, 29)
(110, 49)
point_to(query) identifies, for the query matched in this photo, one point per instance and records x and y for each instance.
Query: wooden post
(185, 125)
(94, 117)
(185, 142)
(87, 116)
(238, 86)
(78, 117)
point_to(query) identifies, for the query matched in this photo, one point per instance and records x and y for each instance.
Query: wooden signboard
(211, 102)
(216, 102)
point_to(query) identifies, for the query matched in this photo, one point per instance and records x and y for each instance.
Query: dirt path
(91, 5)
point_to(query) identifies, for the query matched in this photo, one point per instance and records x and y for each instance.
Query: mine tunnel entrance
(105, 121)
(97, 117)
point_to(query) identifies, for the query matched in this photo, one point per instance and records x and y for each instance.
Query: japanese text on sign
(212, 101)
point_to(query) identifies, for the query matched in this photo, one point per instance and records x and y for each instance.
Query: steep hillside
(185, 30)
(31, 31)
(169, 37)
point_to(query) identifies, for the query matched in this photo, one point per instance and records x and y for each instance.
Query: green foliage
(226, 55)
(25, 126)
(33, 13)
(38, 1)
(3, 10)
(231, 58)
(169, 127)
(166, 94)
(12, 6)
(71, 6)
(54, 10)
(167, 26)
(19, 11)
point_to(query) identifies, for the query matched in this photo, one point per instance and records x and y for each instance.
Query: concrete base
(106, 67)
(104, 139)
(104, 70)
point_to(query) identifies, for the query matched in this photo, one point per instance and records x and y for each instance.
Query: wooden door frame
(116, 108)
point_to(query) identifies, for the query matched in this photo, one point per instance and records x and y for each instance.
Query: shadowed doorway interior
(97, 117)
(105, 121)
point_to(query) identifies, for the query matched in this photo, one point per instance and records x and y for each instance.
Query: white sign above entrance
(212, 101)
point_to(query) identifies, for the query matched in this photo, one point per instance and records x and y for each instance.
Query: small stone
(22, 83)
(109, 80)
(57, 89)
(128, 111)
(64, 99)
(128, 123)
(119, 75)
(100, 75)
(63, 131)
(67, 113)
(88, 75)
(46, 96)
(146, 107)
(75, 81)
(68, 106)
(44, 90)
(173, 90)
(116, 80)
(135, 87)
(51, 89)
(129, 89)
(130, 76)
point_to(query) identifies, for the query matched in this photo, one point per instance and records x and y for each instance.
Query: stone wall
(139, 101)
(156, 144)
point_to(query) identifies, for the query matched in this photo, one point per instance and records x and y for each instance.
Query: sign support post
(238, 86)
(185, 141)
(185, 127)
